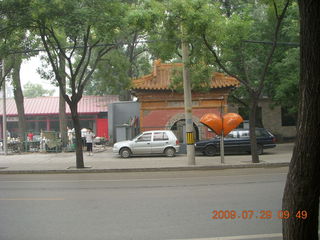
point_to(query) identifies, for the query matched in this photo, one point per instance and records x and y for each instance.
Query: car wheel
(125, 152)
(259, 149)
(170, 152)
(210, 151)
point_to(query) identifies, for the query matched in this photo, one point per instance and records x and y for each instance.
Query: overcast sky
(29, 73)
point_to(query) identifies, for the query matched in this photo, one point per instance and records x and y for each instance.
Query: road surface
(157, 205)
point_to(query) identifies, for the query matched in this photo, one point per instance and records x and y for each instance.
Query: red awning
(50, 105)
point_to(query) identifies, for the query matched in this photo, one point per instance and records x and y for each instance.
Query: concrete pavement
(104, 160)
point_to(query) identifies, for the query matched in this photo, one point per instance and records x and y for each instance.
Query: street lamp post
(4, 114)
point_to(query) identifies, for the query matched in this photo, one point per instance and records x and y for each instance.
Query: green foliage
(144, 15)
(285, 91)
(282, 87)
(166, 35)
(111, 76)
(130, 59)
(77, 30)
(226, 24)
(200, 75)
(32, 90)
(256, 21)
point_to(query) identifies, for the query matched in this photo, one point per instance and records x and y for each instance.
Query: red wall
(159, 118)
(102, 127)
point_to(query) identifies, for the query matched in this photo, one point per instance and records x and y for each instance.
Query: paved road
(159, 205)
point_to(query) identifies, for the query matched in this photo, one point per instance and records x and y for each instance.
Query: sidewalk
(106, 161)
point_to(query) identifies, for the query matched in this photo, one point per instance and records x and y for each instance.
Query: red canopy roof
(50, 105)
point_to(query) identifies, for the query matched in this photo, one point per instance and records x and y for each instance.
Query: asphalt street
(156, 205)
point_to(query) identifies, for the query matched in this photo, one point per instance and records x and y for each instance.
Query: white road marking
(259, 236)
(31, 199)
(255, 236)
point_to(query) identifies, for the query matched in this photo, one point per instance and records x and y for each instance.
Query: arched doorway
(179, 130)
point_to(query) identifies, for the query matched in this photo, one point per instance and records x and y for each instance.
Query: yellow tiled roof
(160, 78)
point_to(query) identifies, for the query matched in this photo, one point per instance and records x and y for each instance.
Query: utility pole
(4, 114)
(188, 104)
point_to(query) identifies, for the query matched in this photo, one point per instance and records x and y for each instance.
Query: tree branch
(62, 51)
(244, 67)
(239, 100)
(138, 53)
(275, 8)
(97, 60)
(274, 45)
(246, 84)
(7, 69)
(55, 69)
(84, 52)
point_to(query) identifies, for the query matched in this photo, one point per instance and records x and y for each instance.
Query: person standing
(30, 136)
(83, 136)
(89, 141)
(70, 135)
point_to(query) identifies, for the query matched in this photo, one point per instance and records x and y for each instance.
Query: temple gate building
(163, 108)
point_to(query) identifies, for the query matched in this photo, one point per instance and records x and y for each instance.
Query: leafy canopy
(32, 90)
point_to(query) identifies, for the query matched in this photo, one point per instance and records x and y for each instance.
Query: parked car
(150, 142)
(237, 141)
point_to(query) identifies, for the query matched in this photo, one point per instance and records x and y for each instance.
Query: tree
(302, 187)
(18, 95)
(47, 74)
(112, 75)
(12, 67)
(13, 37)
(32, 90)
(251, 69)
(216, 35)
(282, 83)
(87, 28)
(130, 59)
(63, 120)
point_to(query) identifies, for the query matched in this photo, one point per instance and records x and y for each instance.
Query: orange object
(229, 122)
(213, 122)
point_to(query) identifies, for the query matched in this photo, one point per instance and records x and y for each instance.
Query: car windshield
(136, 137)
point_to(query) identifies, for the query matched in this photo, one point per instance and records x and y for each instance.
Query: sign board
(12, 119)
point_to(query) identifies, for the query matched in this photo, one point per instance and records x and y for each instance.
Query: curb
(152, 169)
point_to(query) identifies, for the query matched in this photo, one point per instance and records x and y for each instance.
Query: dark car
(237, 141)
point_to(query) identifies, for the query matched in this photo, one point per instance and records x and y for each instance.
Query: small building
(42, 113)
(123, 119)
(163, 108)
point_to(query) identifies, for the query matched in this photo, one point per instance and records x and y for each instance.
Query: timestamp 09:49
(258, 214)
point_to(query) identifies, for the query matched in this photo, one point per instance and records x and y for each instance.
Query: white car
(150, 142)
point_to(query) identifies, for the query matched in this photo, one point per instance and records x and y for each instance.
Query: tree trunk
(77, 128)
(302, 188)
(252, 126)
(62, 106)
(63, 120)
(18, 97)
